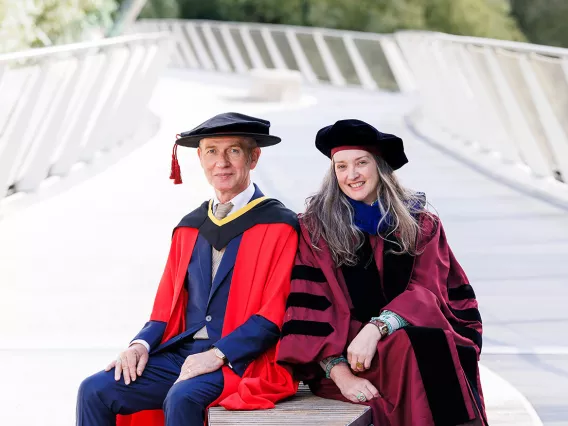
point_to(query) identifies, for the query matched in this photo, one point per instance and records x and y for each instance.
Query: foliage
(543, 21)
(367, 15)
(483, 18)
(200, 9)
(480, 18)
(36, 23)
(160, 9)
(268, 11)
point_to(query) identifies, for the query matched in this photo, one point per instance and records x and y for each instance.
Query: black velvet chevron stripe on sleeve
(470, 314)
(308, 273)
(307, 300)
(307, 328)
(468, 333)
(461, 293)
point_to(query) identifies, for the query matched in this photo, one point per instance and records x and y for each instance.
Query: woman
(380, 312)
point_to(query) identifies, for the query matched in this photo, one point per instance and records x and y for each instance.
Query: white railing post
(328, 61)
(38, 167)
(215, 49)
(527, 145)
(175, 54)
(78, 131)
(183, 44)
(564, 65)
(301, 60)
(236, 58)
(398, 65)
(11, 147)
(361, 68)
(251, 48)
(272, 49)
(109, 97)
(487, 113)
(200, 49)
(558, 141)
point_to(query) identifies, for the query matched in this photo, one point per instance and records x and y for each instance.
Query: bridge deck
(78, 271)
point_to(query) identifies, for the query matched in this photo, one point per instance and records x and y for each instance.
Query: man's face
(227, 162)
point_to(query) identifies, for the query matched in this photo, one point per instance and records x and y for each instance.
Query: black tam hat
(356, 134)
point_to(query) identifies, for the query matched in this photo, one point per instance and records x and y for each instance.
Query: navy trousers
(101, 398)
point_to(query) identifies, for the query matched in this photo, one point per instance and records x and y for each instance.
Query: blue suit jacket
(206, 307)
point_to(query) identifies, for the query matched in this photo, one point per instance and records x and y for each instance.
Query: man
(220, 304)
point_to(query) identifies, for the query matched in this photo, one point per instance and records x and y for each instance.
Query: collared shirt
(239, 201)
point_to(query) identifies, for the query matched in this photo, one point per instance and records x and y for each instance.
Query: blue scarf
(367, 217)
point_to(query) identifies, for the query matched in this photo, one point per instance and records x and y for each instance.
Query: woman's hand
(354, 388)
(363, 347)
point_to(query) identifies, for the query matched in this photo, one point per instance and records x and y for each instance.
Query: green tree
(163, 9)
(268, 11)
(482, 18)
(200, 9)
(25, 24)
(543, 21)
(367, 15)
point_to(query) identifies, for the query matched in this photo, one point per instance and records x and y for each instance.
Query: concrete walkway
(78, 271)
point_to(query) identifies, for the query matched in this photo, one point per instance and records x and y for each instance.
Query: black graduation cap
(230, 124)
(356, 134)
(226, 124)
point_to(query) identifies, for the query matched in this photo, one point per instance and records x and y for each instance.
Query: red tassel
(175, 173)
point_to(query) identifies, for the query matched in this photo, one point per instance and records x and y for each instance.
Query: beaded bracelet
(332, 364)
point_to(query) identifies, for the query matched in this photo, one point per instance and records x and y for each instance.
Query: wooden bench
(303, 409)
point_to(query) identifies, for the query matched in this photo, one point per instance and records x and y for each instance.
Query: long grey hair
(329, 215)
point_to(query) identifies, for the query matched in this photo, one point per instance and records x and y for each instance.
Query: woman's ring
(361, 397)
(118, 361)
(359, 366)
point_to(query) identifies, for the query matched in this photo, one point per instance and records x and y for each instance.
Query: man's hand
(198, 364)
(363, 347)
(131, 363)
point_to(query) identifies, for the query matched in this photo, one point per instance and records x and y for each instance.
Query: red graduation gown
(425, 373)
(260, 286)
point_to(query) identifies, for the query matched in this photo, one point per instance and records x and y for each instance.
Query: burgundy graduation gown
(427, 373)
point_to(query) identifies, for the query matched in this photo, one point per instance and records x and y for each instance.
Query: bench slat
(303, 409)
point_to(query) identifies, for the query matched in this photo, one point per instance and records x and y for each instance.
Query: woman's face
(357, 174)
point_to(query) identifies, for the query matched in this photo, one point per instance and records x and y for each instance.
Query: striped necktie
(221, 212)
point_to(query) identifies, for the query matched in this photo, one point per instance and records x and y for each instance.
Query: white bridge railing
(341, 58)
(67, 106)
(507, 100)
